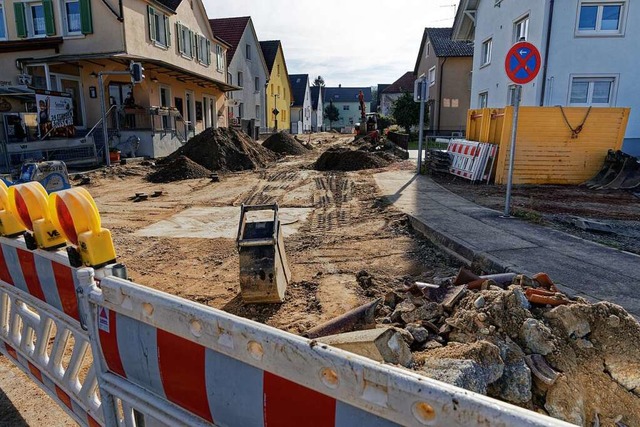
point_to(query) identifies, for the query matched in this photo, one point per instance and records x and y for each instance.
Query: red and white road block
(172, 361)
(37, 293)
(472, 160)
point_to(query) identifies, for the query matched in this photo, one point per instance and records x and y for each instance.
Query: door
(191, 110)
(165, 101)
(72, 86)
(209, 103)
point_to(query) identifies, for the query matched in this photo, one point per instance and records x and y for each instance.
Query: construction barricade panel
(172, 361)
(41, 331)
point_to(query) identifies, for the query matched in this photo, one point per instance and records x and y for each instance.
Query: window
(219, 58)
(248, 51)
(203, 50)
(240, 79)
(428, 49)
(278, 70)
(521, 30)
(185, 41)
(71, 17)
(485, 58)
(3, 28)
(240, 110)
(600, 17)
(35, 20)
(159, 32)
(591, 91)
(258, 112)
(483, 99)
(345, 107)
(432, 76)
(257, 84)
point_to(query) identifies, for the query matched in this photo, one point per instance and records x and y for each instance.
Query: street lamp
(275, 110)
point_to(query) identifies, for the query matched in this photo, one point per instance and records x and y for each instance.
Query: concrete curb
(463, 251)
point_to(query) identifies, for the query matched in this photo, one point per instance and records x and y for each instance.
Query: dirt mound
(576, 361)
(179, 169)
(283, 143)
(224, 149)
(342, 159)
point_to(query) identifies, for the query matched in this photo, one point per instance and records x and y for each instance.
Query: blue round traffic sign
(522, 63)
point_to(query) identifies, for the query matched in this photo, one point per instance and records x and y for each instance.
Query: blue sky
(348, 42)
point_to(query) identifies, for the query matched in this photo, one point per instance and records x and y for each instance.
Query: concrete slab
(478, 234)
(220, 222)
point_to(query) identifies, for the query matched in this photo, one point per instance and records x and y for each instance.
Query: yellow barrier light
(10, 225)
(76, 214)
(31, 204)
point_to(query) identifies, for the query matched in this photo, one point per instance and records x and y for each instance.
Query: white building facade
(586, 47)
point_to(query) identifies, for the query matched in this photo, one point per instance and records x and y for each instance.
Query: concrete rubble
(521, 341)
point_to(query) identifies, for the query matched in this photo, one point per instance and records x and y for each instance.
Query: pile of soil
(178, 169)
(224, 149)
(342, 159)
(576, 361)
(283, 143)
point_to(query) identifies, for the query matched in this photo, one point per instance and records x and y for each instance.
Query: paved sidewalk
(478, 234)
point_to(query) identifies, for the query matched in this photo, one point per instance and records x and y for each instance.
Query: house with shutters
(301, 107)
(57, 48)
(317, 108)
(279, 91)
(246, 68)
(446, 63)
(586, 48)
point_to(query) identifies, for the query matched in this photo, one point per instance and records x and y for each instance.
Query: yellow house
(279, 93)
(61, 46)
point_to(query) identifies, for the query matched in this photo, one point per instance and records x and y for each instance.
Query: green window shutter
(49, 23)
(21, 21)
(208, 52)
(167, 29)
(151, 13)
(192, 37)
(179, 37)
(86, 21)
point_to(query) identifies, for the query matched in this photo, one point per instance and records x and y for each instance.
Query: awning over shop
(149, 64)
(19, 92)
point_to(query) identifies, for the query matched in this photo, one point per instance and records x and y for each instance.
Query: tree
(332, 114)
(319, 81)
(406, 112)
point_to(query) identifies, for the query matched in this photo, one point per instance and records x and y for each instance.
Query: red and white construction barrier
(472, 160)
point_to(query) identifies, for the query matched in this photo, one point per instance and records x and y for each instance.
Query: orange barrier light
(10, 225)
(75, 213)
(31, 204)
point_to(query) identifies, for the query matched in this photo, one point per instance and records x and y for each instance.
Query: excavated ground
(341, 233)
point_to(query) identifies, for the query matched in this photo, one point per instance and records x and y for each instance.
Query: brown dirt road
(348, 230)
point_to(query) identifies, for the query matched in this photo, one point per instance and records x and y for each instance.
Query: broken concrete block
(428, 311)
(593, 226)
(453, 296)
(624, 372)
(483, 353)
(537, 337)
(515, 384)
(382, 345)
(479, 302)
(418, 333)
(401, 308)
(461, 373)
(576, 327)
(521, 297)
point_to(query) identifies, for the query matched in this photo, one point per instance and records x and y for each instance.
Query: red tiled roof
(230, 30)
(403, 84)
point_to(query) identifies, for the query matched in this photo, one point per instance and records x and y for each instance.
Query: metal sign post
(522, 65)
(423, 94)
(512, 151)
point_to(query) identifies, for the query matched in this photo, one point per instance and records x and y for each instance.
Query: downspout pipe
(546, 53)
(440, 91)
